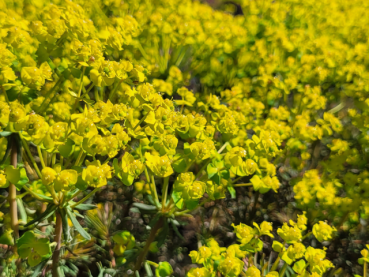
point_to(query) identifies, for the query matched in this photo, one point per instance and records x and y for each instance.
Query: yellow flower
(253, 272)
(103, 73)
(289, 234)
(264, 229)
(322, 231)
(160, 166)
(65, 180)
(232, 266)
(3, 181)
(244, 232)
(3, 147)
(235, 251)
(6, 57)
(48, 175)
(200, 256)
(198, 272)
(35, 77)
(96, 175)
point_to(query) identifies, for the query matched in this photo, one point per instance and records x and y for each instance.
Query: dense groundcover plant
(180, 107)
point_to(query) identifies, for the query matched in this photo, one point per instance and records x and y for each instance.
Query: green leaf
(117, 168)
(145, 207)
(29, 241)
(46, 214)
(88, 101)
(176, 230)
(44, 197)
(232, 191)
(299, 266)
(191, 204)
(255, 245)
(76, 73)
(155, 219)
(163, 234)
(122, 237)
(127, 179)
(287, 258)
(277, 246)
(7, 238)
(177, 198)
(22, 211)
(81, 184)
(66, 229)
(148, 270)
(72, 93)
(37, 270)
(22, 180)
(76, 224)
(134, 210)
(12, 174)
(85, 207)
(211, 170)
(217, 178)
(180, 165)
(5, 134)
(164, 269)
(67, 149)
(66, 72)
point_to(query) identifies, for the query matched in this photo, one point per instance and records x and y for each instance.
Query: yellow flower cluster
(231, 261)
(176, 94)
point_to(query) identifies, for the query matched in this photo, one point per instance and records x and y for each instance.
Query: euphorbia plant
(188, 104)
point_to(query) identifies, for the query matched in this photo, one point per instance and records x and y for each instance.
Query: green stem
(283, 270)
(337, 108)
(53, 159)
(153, 185)
(31, 192)
(74, 195)
(13, 195)
(81, 84)
(142, 120)
(152, 263)
(264, 268)
(275, 264)
(365, 269)
(88, 90)
(25, 145)
(151, 238)
(85, 198)
(189, 165)
(41, 157)
(102, 93)
(97, 97)
(304, 237)
(165, 192)
(79, 157)
(115, 90)
(187, 210)
(47, 96)
(243, 185)
(198, 175)
(46, 160)
(57, 239)
(223, 147)
(107, 160)
(6, 96)
(237, 179)
(76, 102)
